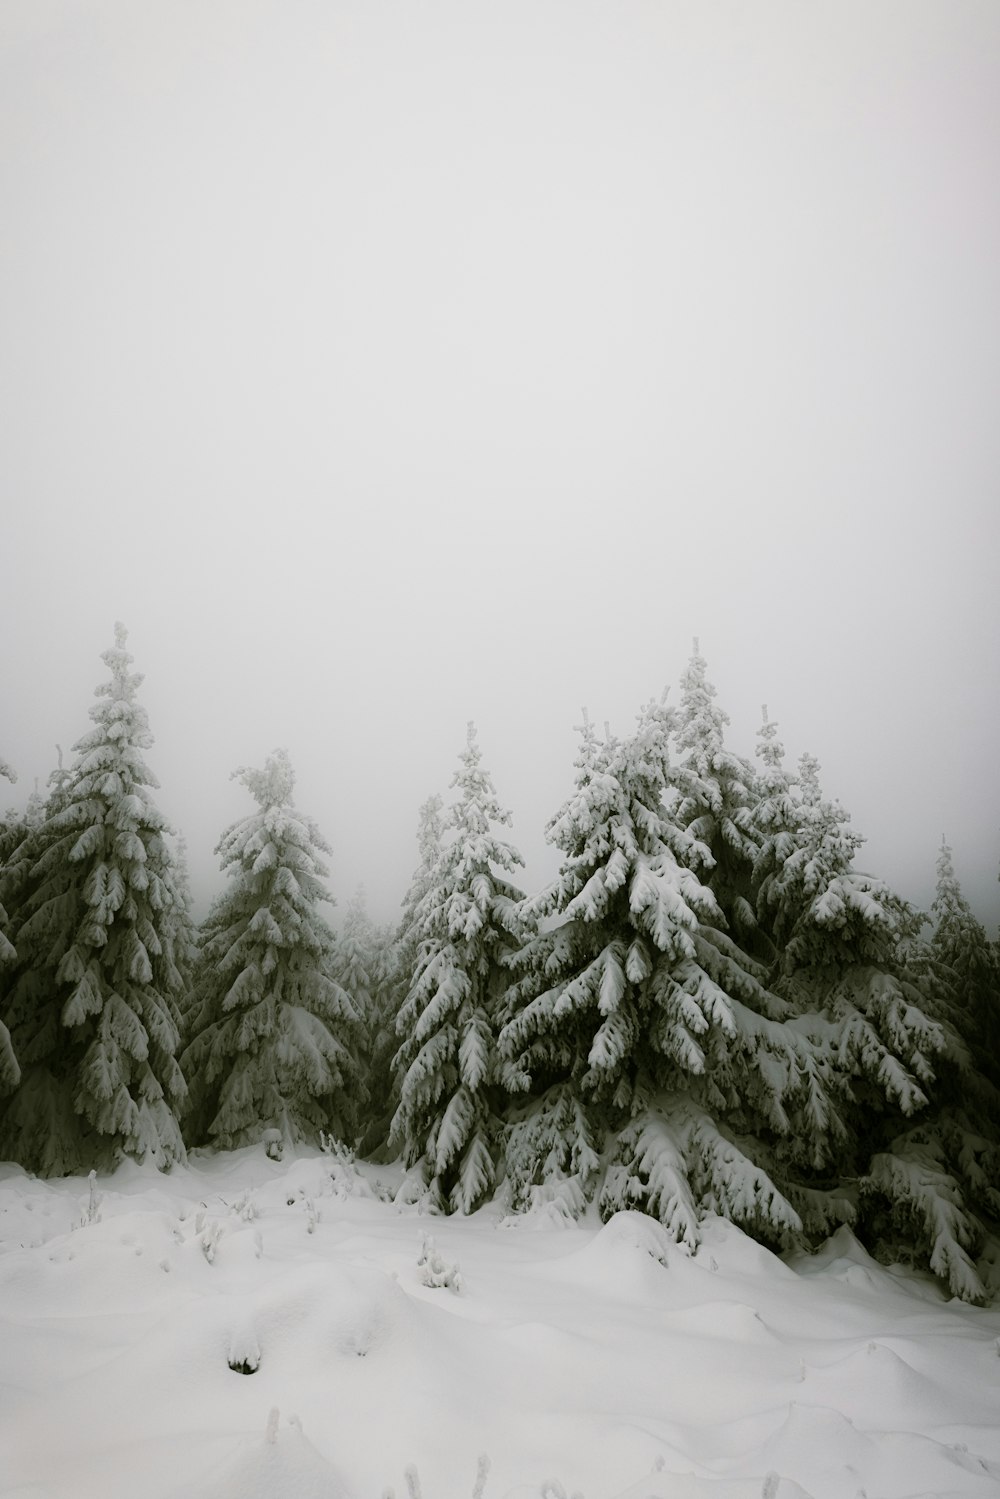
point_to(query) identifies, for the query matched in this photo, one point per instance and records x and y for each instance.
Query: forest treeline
(709, 1009)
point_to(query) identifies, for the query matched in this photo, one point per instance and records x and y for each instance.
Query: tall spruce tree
(463, 923)
(91, 998)
(755, 1064)
(399, 953)
(10, 1072)
(362, 965)
(184, 936)
(713, 797)
(275, 1037)
(966, 962)
(848, 958)
(640, 1023)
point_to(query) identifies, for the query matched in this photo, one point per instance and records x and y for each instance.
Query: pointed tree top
(945, 863)
(769, 749)
(272, 786)
(470, 756)
(123, 685)
(587, 754)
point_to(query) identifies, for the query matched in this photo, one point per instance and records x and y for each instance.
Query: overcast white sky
(384, 365)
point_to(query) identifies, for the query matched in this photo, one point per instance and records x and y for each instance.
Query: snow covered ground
(579, 1358)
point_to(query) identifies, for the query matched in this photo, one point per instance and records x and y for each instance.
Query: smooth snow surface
(585, 1359)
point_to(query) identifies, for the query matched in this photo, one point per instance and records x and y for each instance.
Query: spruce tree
(966, 961)
(10, 1072)
(920, 1118)
(275, 1037)
(753, 1061)
(848, 957)
(184, 935)
(639, 1022)
(463, 924)
(398, 958)
(713, 797)
(936, 1182)
(91, 999)
(362, 965)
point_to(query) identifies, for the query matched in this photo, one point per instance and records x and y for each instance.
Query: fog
(384, 366)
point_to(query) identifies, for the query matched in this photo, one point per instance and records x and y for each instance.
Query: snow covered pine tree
(91, 998)
(715, 991)
(463, 923)
(966, 962)
(274, 1037)
(848, 956)
(635, 1016)
(362, 962)
(10, 1072)
(398, 963)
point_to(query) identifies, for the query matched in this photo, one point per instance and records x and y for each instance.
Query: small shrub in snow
(244, 1349)
(244, 1206)
(416, 1492)
(435, 1271)
(413, 1483)
(210, 1240)
(482, 1472)
(330, 1145)
(92, 1211)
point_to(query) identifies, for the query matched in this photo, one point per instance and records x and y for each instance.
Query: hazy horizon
(386, 368)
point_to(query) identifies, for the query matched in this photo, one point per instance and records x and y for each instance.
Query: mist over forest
(542, 460)
(387, 372)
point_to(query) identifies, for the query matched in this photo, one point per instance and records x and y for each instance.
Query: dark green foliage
(275, 1038)
(91, 998)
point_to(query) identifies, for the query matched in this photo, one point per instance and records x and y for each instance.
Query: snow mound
(729, 1321)
(639, 1231)
(821, 1444)
(330, 1311)
(283, 1462)
(877, 1378)
(724, 1246)
(632, 1249)
(841, 1250)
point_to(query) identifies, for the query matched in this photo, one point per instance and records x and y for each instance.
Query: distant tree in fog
(10, 1072)
(275, 1038)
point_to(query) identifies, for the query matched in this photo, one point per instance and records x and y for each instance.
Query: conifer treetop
(958, 934)
(272, 786)
(121, 728)
(702, 721)
(769, 747)
(430, 829)
(823, 822)
(478, 806)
